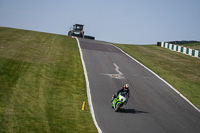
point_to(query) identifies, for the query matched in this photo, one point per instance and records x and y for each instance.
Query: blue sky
(119, 21)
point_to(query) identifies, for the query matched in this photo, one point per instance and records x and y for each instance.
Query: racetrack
(152, 107)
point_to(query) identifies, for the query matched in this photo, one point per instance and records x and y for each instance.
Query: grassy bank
(195, 46)
(42, 85)
(181, 71)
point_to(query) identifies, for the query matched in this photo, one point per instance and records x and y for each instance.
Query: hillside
(42, 85)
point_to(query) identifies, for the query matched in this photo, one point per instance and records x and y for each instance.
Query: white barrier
(184, 50)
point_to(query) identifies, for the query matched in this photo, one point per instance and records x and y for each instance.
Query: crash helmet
(126, 86)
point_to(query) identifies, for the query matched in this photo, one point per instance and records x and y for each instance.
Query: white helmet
(126, 86)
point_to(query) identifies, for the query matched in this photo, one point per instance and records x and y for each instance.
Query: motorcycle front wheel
(117, 107)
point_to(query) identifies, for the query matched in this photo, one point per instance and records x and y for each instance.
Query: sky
(117, 21)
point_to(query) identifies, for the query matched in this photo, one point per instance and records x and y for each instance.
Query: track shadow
(134, 111)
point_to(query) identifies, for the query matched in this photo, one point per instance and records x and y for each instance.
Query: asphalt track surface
(153, 107)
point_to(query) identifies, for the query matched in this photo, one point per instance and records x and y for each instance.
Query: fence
(184, 50)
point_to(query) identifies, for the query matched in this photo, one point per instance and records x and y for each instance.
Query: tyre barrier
(177, 48)
(89, 37)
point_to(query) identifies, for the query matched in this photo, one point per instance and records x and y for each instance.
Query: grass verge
(181, 71)
(195, 46)
(42, 85)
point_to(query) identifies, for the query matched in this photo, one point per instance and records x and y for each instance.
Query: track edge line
(88, 87)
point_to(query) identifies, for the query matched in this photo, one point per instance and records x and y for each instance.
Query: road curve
(153, 106)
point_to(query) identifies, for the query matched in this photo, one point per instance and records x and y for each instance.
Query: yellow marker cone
(83, 107)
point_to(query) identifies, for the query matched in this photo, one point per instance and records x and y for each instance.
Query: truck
(77, 31)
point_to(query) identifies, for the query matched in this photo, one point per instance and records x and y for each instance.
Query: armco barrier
(184, 50)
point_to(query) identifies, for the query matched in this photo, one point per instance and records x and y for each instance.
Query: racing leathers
(121, 90)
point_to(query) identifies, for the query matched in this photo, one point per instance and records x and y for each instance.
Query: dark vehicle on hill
(77, 31)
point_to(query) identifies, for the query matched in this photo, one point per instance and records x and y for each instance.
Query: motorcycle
(119, 101)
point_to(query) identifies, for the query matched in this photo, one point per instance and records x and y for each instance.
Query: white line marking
(160, 79)
(117, 76)
(117, 69)
(88, 88)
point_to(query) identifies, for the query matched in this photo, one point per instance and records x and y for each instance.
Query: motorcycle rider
(125, 89)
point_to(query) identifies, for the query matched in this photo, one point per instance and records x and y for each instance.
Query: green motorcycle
(119, 101)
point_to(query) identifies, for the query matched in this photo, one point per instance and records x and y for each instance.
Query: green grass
(195, 46)
(42, 85)
(181, 71)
